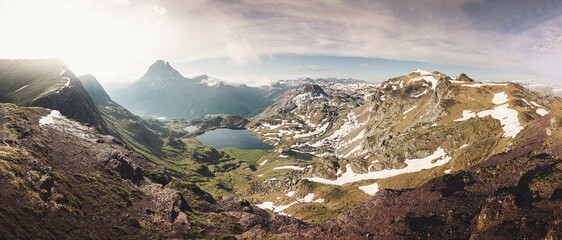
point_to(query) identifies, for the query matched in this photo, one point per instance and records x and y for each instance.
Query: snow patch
(262, 163)
(466, 114)
(508, 118)
(484, 84)
(413, 165)
(422, 72)
(318, 131)
(290, 194)
(427, 78)
(17, 90)
(542, 112)
(271, 179)
(421, 94)
(535, 104)
(266, 205)
(499, 98)
(407, 111)
(308, 198)
(289, 167)
(370, 189)
(279, 209)
(61, 123)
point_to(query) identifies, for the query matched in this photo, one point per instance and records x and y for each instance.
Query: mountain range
(163, 91)
(422, 155)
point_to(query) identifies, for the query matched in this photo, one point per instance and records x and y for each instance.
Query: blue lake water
(241, 139)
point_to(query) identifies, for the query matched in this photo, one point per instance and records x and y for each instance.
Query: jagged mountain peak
(159, 64)
(163, 91)
(463, 77)
(161, 71)
(314, 89)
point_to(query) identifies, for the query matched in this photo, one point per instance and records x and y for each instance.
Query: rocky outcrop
(463, 77)
(161, 209)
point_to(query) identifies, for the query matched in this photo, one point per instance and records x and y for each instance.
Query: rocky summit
(418, 156)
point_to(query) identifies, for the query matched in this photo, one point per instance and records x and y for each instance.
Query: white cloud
(159, 10)
(430, 31)
(552, 42)
(311, 68)
(364, 65)
(118, 2)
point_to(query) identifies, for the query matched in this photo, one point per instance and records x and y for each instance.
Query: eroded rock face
(125, 166)
(161, 209)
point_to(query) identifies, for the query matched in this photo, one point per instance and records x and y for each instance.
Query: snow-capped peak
(422, 72)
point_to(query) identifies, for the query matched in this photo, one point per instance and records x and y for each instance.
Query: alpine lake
(239, 138)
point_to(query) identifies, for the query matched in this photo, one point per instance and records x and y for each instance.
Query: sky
(258, 41)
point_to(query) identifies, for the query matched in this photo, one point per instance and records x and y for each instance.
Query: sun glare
(85, 34)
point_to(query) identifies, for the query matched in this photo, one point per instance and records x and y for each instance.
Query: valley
(313, 157)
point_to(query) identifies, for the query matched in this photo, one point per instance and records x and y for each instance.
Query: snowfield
(426, 76)
(279, 209)
(413, 165)
(508, 118)
(541, 112)
(61, 123)
(484, 84)
(289, 167)
(499, 98)
(370, 189)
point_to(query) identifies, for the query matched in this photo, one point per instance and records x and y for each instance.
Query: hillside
(350, 140)
(61, 179)
(123, 124)
(516, 194)
(176, 150)
(163, 91)
(47, 83)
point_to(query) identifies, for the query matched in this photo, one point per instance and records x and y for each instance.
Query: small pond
(190, 128)
(241, 139)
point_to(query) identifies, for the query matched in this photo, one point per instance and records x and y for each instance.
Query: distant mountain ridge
(163, 91)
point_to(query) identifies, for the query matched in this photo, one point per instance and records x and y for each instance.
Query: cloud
(552, 42)
(491, 34)
(159, 10)
(364, 65)
(118, 2)
(310, 68)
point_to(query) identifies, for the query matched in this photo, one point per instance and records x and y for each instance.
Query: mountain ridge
(163, 91)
